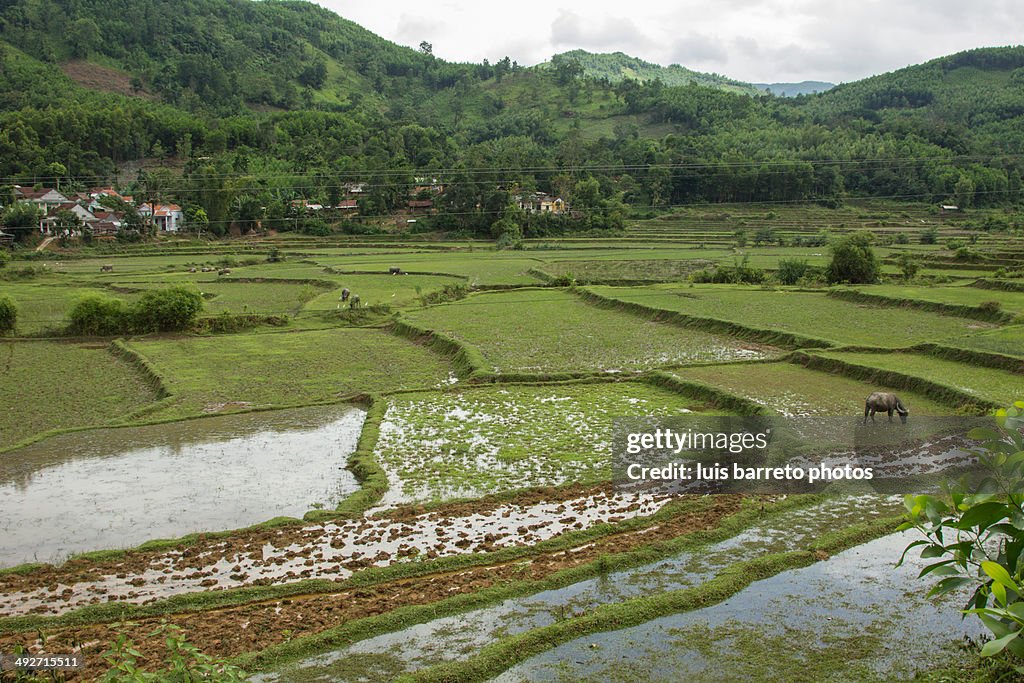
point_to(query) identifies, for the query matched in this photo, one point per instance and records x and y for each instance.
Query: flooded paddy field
(333, 550)
(849, 617)
(476, 506)
(437, 446)
(116, 488)
(461, 636)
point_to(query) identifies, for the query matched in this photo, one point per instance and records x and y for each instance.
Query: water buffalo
(884, 402)
(106, 269)
(224, 271)
(344, 294)
(354, 303)
(394, 270)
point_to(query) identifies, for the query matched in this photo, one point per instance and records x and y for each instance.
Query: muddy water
(461, 636)
(116, 488)
(851, 617)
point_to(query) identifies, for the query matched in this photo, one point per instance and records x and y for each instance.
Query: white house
(166, 217)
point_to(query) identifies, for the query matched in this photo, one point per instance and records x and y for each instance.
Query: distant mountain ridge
(794, 89)
(618, 66)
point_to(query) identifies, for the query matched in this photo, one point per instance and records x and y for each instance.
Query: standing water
(113, 488)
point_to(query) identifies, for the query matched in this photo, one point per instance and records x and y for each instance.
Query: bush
(792, 270)
(853, 261)
(909, 266)
(990, 306)
(166, 310)
(162, 310)
(99, 315)
(975, 535)
(8, 314)
(930, 236)
(183, 662)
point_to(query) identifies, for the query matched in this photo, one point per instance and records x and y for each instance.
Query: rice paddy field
(812, 315)
(463, 523)
(84, 385)
(790, 389)
(540, 330)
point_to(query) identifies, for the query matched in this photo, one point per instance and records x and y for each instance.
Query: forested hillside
(617, 66)
(257, 104)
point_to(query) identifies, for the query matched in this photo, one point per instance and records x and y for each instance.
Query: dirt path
(255, 626)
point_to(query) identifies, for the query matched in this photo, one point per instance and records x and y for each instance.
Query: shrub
(165, 310)
(792, 270)
(990, 306)
(930, 236)
(8, 314)
(853, 261)
(99, 315)
(183, 662)
(908, 266)
(976, 537)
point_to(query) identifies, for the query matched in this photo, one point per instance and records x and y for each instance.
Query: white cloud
(754, 40)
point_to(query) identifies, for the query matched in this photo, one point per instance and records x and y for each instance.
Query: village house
(540, 202)
(166, 217)
(48, 223)
(45, 198)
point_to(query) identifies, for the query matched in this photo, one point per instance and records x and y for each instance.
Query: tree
(792, 270)
(853, 260)
(909, 266)
(83, 37)
(21, 216)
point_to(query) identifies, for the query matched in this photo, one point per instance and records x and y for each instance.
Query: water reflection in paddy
(114, 488)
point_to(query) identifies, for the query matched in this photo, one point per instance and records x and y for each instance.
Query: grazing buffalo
(344, 294)
(224, 271)
(884, 402)
(106, 269)
(394, 270)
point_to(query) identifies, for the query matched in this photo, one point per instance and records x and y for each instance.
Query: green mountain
(617, 66)
(239, 107)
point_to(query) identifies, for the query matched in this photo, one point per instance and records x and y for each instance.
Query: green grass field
(987, 383)
(804, 313)
(53, 385)
(546, 330)
(290, 368)
(478, 441)
(788, 389)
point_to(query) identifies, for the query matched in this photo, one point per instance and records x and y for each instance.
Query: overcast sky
(751, 40)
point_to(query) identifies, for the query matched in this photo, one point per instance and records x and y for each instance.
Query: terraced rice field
(1005, 340)
(84, 384)
(455, 517)
(808, 314)
(473, 442)
(961, 295)
(789, 389)
(543, 330)
(291, 368)
(997, 386)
